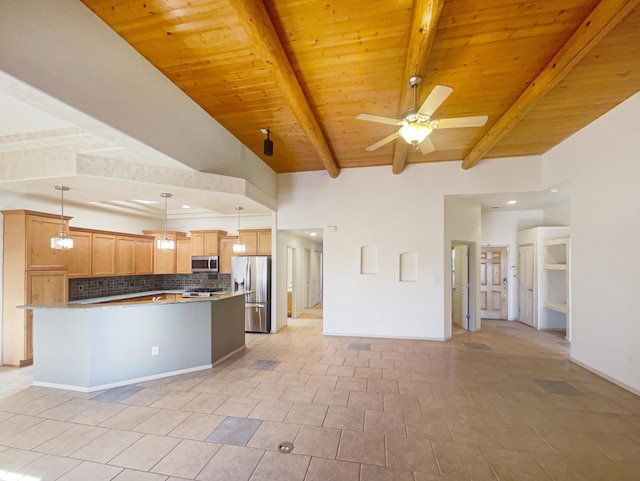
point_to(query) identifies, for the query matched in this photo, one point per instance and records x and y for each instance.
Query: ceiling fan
(416, 124)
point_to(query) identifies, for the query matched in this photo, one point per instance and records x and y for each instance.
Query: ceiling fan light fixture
(413, 133)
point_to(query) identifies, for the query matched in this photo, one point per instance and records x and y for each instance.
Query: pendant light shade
(238, 247)
(165, 244)
(62, 241)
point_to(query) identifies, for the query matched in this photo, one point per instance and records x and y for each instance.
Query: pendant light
(62, 241)
(165, 244)
(238, 247)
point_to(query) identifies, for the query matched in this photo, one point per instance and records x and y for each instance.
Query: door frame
(466, 311)
(474, 322)
(291, 269)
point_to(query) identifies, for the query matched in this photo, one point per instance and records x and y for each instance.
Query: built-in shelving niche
(369, 259)
(409, 267)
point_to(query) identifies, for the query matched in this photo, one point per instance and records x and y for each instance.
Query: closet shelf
(555, 267)
(556, 306)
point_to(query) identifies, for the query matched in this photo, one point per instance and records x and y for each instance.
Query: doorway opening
(460, 287)
(291, 281)
(494, 282)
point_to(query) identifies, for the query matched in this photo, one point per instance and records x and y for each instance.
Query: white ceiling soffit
(36, 118)
(533, 200)
(118, 185)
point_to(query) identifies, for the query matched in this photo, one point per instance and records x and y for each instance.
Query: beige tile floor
(502, 404)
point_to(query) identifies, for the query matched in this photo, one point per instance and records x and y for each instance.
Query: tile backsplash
(90, 288)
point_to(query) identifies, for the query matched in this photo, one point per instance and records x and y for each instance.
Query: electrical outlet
(154, 351)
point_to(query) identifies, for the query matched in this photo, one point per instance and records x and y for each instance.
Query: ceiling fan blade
(382, 142)
(435, 99)
(426, 146)
(457, 122)
(378, 118)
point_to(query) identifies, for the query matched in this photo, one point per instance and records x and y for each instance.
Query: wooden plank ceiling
(304, 69)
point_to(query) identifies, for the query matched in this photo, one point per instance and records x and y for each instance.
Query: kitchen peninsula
(92, 346)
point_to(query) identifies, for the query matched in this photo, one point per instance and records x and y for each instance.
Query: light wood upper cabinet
(103, 255)
(165, 261)
(30, 239)
(183, 255)
(264, 242)
(79, 258)
(206, 242)
(144, 255)
(125, 256)
(258, 241)
(226, 252)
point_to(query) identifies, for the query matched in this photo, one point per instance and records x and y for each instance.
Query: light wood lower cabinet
(43, 287)
(32, 272)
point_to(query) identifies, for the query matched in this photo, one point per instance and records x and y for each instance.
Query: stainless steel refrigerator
(253, 274)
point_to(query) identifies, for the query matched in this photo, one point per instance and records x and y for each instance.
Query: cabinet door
(226, 252)
(103, 255)
(42, 287)
(144, 256)
(183, 256)
(197, 243)
(165, 260)
(211, 244)
(79, 258)
(125, 256)
(40, 255)
(264, 242)
(250, 239)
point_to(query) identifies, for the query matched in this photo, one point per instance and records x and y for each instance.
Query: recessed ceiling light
(146, 201)
(553, 190)
(186, 207)
(312, 234)
(511, 202)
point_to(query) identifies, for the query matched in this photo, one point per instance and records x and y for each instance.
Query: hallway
(500, 404)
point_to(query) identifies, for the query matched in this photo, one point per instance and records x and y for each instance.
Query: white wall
(462, 225)
(603, 164)
(398, 214)
(501, 229)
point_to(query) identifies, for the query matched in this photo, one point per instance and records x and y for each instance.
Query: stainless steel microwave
(204, 264)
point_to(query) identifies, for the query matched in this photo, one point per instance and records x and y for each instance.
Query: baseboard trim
(126, 382)
(386, 336)
(608, 378)
(232, 353)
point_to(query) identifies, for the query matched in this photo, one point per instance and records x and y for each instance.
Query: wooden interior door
(493, 288)
(525, 284)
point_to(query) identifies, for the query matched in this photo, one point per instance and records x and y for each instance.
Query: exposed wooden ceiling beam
(256, 22)
(604, 17)
(426, 14)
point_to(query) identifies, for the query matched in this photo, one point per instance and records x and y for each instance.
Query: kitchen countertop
(108, 301)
